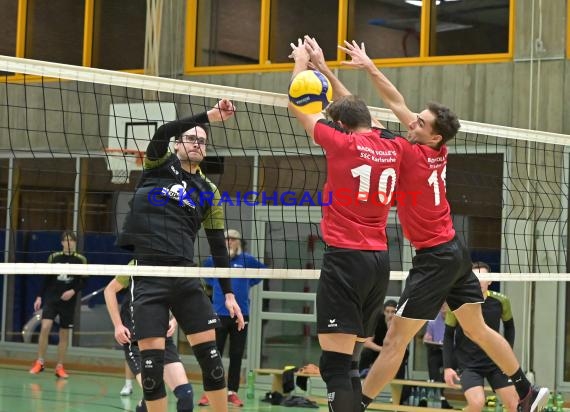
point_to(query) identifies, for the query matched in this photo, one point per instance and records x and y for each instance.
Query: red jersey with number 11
(362, 172)
(424, 213)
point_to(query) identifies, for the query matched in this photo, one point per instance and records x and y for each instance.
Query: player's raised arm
(317, 62)
(301, 57)
(388, 92)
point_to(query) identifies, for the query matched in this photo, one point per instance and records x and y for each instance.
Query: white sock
(129, 383)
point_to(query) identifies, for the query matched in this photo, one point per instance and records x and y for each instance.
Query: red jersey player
(441, 268)
(361, 177)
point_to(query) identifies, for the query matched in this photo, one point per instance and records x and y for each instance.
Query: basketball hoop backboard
(131, 126)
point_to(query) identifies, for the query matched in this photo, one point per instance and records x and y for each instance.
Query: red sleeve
(330, 136)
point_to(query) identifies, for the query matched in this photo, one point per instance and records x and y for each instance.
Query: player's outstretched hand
(234, 310)
(450, 376)
(358, 55)
(316, 54)
(223, 110)
(122, 334)
(299, 53)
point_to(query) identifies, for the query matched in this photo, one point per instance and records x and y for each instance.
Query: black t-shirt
(380, 331)
(54, 285)
(170, 204)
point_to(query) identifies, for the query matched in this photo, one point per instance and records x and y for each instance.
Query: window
(227, 34)
(388, 28)
(405, 31)
(119, 34)
(463, 27)
(292, 19)
(8, 27)
(54, 31)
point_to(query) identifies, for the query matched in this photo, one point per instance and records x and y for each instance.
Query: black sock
(365, 402)
(185, 397)
(522, 385)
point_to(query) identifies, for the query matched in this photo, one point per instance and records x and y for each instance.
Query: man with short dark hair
(441, 269)
(363, 163)
(60, 295)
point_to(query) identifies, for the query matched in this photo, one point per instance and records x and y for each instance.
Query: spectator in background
(433, 340)
(373, 346)
(60, 295)
(238, 338)
(473, 364)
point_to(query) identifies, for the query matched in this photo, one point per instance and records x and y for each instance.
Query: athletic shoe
(204, 401)
(37, 367)
(127, 390)
(535, 400)
(234, 399)
(60, 372)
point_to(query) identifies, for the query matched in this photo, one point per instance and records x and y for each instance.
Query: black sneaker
(534, 401)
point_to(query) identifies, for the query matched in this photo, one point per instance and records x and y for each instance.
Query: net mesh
(508, 187)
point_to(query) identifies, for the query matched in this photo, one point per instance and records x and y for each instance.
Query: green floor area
(89, 392)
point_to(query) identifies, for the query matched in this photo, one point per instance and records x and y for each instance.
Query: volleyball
(310, 91)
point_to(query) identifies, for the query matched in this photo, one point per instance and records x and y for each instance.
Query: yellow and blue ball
(310, 91)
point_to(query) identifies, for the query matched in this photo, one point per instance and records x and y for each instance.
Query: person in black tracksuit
(172, 200)
(59, 294)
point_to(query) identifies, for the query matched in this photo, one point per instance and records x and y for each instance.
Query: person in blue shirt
(433, 339)
(238, 259)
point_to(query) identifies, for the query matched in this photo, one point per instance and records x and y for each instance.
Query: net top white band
(173, 271)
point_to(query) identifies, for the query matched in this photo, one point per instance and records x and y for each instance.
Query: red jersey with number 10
(424, 213)
(362, 172)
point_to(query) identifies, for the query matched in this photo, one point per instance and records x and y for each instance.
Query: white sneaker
(127, 390)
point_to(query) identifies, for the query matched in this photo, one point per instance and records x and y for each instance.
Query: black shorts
(133, 355)
(64, 308)
(351, 291)
(154, 297)
(472, 377)
(439, 274)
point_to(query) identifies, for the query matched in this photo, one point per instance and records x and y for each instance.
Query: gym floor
(90, 392)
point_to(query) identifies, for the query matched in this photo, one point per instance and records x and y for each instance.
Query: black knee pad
(152, 370)
(335, 369)
(185, 397)
(210, 362)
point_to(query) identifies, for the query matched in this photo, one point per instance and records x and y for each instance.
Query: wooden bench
(277, 377)
(397, 385)
(382, 406)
